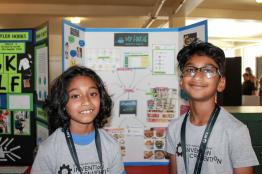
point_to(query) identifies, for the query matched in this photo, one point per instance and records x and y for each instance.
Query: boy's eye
(190, 70)
(208, 70)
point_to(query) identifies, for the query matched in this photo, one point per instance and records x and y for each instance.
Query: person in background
(207, 139)
(248, 87)
(78, 107)
(253, 78)
(260, 90)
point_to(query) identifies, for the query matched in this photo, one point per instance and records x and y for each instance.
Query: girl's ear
(222, 84)
(181, 83)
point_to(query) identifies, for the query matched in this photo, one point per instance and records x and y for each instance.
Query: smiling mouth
(198, 86)
(87, 111)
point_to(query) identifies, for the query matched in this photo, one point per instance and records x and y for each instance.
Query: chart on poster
(139, 69)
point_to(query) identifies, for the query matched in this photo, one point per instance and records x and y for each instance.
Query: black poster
(17, 96)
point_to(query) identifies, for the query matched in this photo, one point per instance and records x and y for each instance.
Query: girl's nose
(85, 100)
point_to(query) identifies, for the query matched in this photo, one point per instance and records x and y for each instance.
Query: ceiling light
(259, 1)
(75, 20)
(231, 28)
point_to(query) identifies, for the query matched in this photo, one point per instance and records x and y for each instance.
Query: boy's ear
(222, 84)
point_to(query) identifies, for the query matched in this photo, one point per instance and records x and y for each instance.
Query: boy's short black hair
(202, 49)
(58, 98)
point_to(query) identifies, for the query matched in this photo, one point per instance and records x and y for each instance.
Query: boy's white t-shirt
(229, 145)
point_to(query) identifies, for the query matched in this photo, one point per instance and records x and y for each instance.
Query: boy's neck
(200, 112)
(81, 129)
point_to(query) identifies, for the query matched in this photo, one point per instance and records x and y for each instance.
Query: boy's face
(201, 84)
(84, 102)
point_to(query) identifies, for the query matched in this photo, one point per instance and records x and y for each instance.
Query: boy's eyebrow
(206, 65)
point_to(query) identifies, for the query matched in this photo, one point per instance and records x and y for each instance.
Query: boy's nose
(199, 74)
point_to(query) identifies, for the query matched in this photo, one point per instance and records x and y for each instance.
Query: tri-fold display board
(18, 93)
(139, 68)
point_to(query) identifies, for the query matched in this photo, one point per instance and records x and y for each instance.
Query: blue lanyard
(204, 141)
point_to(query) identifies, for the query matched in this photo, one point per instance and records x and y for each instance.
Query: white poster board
(139, 68)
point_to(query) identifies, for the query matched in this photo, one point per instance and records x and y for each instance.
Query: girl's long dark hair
(58, 98)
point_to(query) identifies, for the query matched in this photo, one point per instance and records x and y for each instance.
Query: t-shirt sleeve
(42, 163)
(117, 165)
(170, 141)
(242, 153)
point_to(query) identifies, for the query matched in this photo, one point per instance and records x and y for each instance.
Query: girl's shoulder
(106, 137)
(54, 139)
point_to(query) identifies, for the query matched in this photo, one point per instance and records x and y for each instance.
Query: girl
(78, 107)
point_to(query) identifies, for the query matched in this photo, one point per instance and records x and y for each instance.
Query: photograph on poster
(5, 121)
(22, 123)
(154, 142)
(189, 38)
(25, 67)
(79, 52)
(161, 107)
(119, 135)
(127, 107)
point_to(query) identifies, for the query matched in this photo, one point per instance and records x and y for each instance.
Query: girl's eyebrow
(75, 89)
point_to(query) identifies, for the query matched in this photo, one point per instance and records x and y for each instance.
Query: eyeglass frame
(200, 69)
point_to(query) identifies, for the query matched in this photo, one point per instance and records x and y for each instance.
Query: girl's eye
(93, 94)
(74, 96)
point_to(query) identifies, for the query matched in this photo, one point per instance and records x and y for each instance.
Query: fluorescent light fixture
(259, 1)
(76, 20)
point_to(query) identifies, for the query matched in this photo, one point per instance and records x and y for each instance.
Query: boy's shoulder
(228, 119)
(176, 122)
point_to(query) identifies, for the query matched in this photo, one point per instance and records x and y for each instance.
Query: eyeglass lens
(208, 71)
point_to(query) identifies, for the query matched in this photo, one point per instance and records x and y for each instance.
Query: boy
(215, 142)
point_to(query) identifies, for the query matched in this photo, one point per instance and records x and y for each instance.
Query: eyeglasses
(208, 71)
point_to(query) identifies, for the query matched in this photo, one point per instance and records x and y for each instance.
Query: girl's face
(84, 102)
